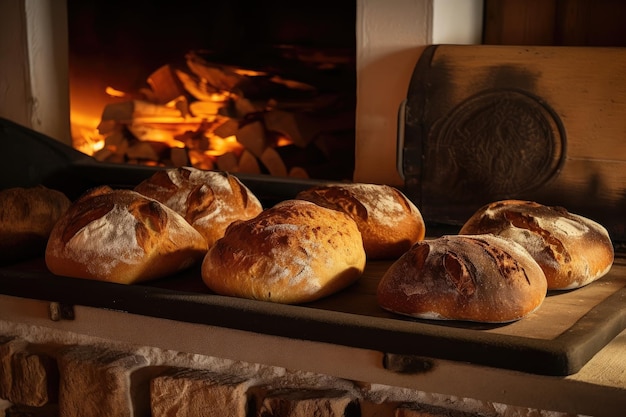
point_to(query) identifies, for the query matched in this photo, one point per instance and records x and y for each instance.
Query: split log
(165, 85)
(244, 108)
(248, 163)
(252, 137)
(206, 109)
(298, 172)
(228, 127)
(142, 151)
(128, 111)
(228, 162)
(117, 143)
(106, 127)
(298, 127)
(200, 160)
(179, 157)
(273, 162)
(220, 77)
(196, 87)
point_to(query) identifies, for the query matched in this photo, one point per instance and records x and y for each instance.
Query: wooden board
(558, 339)
(483, 123)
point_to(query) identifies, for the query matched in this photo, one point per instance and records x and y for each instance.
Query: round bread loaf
(293, 252)
(389, 222)
(27, 215)
(572, 250)
(482, 278)
(121, 236)
(208, 200)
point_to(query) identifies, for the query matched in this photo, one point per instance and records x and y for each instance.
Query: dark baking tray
(558, 339)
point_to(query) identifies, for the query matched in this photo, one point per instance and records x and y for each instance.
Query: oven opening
(254, 88)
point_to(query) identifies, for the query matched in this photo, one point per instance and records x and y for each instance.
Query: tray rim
(563, 355)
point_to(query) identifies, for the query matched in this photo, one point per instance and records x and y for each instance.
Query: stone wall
(47, 374)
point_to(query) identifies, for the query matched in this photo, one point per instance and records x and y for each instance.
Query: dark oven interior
(262, 87)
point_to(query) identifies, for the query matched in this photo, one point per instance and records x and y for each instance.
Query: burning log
(227, 128)
(165, 86)
(298, 127)
(147, 151)
(273, 162)
(128, 111)
(228, 162)
(248, 163)
(179, 157)
(219, 78)
(252, 137)
(218, 116)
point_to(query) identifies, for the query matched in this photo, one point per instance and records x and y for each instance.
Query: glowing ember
(114, 93)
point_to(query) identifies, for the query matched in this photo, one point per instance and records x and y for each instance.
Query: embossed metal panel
(483, 123)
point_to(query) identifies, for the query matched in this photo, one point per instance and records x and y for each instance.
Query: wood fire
(214, 116)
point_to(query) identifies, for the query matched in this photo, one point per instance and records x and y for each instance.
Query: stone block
(96, 382)
(29, 375)
(199, 393)
(312, 402)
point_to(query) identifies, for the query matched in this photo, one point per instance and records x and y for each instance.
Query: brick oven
(70, 348)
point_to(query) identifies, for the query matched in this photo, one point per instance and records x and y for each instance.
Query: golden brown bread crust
(389, 222)
(480, 278)
(27, 215)
(572, 250)
(208, 200)
(121, 236)
(294, 252)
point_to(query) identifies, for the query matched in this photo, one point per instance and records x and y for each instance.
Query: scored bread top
(121, 236)
(571, 249)
(208, 200)
(389, 222)
(480, 278)
(293, 252)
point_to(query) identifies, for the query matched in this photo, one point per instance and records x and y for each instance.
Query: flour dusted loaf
(572, 250)
(481, 278)
(293, 252)
(208, 200)
(27, 215)
(389, 222)
(121, 236)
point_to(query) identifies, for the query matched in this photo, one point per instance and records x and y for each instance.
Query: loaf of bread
(481, 278)
(572, 250)
(293, 252)
(27, 215)
(389, 222)
(121, 236)
(208, 200)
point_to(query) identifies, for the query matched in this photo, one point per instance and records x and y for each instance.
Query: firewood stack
(215, 116)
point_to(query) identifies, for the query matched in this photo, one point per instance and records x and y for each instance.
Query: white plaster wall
(390, 35)
(34, 86)
(14, 77)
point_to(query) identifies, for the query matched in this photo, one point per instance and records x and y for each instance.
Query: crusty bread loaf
(27, 215)
(572, 250)
(121, 236)
(389, 222)
(291, 253)
(208, 200)
(482, 278)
